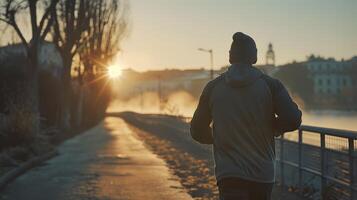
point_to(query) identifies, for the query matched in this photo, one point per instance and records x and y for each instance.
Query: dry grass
(20, 136)
(21, 123)
(195, 174)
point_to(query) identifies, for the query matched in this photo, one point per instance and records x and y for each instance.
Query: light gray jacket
(247, 108)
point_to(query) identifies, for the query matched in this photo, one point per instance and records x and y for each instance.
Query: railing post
(351, 154)
(282, 160)
(323, 162)
(300, 158)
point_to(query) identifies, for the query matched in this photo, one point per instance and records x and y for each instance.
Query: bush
(297, 78)
(19, 153)
(7, 161)
(19, 126)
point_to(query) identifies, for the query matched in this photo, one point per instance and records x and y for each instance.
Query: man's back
(247, 108)
(242, 104)
(241, 108)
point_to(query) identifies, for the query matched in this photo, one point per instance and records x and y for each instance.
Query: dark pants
(239, 189)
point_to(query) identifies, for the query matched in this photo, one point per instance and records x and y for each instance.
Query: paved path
(106, 162)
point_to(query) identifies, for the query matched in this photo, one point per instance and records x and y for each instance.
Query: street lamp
(210, 51)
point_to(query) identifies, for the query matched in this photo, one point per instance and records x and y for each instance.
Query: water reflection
(184, 104)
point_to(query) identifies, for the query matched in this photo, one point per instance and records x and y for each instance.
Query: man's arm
(201, 120)
(288, 114)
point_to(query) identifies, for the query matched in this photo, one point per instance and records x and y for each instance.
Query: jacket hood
(240, 75)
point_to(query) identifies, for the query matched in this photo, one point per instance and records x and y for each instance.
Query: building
(49, 58)
(269, 67)
(13, 63)
(330, 77)
(333, 81)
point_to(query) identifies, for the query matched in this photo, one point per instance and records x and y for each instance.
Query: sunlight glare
(114, 71)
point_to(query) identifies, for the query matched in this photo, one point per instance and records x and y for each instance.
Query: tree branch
(19, 33)
(57, 34)
(47, 14)
(33, 17)
(4, 20)
(14, 25)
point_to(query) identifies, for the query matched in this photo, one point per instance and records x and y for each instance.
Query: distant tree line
(297, 78)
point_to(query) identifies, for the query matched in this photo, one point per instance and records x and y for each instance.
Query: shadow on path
(106, 162)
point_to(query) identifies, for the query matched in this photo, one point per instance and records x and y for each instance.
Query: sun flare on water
(114, 71)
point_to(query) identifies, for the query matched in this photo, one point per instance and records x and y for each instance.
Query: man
(247, 109)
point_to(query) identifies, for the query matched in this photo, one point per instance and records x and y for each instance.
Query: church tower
(270, 55)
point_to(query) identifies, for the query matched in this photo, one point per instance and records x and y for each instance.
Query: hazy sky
(167, 33)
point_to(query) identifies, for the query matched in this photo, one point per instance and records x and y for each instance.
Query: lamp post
(210, 51)
(159, 92)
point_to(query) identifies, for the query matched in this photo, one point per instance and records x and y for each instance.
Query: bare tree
(108, 25)
(10, 9)
(40, 27)
(70, 24)
(89, 29)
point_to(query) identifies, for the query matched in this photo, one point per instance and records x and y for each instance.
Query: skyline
(166, 34)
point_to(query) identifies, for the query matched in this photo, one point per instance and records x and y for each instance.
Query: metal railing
(322, 162)
(319, 161)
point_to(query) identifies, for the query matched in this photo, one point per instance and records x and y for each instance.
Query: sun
(114, 71)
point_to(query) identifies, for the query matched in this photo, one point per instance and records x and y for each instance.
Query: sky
(167, 33)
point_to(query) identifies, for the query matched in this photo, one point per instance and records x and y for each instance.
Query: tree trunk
(66, 94)
(79, 107)
(31, 89)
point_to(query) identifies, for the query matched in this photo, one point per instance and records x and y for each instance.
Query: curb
(14, 173)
